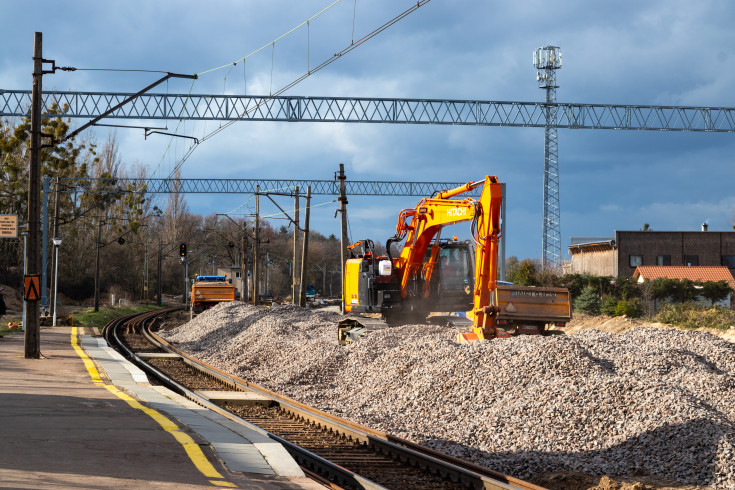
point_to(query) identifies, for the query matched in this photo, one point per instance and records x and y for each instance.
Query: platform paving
(61, 429)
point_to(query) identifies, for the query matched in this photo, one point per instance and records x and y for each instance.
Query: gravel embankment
(648, 401)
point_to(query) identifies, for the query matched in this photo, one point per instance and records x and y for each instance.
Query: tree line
(130, 230)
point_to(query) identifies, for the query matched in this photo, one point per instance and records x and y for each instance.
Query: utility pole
(294, 265)
(256, 245)
(33, 257)
(304, 258)
(343, 230)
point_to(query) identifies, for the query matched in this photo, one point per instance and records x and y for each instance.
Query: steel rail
(305, 458)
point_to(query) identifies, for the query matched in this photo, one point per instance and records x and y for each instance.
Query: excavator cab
(452, 282)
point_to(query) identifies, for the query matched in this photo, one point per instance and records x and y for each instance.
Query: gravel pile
(649, 401)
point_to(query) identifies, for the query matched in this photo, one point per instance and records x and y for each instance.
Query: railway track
(336, 450)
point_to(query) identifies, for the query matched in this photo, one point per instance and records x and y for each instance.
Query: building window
(237, 274)
(663, 260)
(635, 260)
(691, 260)
(728, 261)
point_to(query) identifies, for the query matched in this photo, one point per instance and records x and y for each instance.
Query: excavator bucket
(478, 334)
(467, 337)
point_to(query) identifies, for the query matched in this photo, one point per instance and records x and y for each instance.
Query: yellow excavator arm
(420, 225)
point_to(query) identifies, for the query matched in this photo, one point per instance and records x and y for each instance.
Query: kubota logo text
(457, 212)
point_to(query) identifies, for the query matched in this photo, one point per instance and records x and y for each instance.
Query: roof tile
(693, 273)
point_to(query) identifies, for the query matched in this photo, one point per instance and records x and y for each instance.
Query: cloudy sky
(667, 52)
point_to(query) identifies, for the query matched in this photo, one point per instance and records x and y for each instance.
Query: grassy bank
(89, 318)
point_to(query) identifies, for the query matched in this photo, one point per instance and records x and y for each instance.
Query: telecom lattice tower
(547, 60)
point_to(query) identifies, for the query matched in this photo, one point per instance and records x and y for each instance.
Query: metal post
(186, 281)
(501, 265)
(97, 268)
(44, 245)
(145, 279)
(324, 279)
(295, 274)
(243, 269)
(256, 247)
(55, 257)
(343, 231)
(267, 264)
(32, 333)
(305, 250)
(56, 279)
(25, 271)
(159, 301)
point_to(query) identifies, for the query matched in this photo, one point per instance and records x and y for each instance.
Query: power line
(325, 63)
(275, 40)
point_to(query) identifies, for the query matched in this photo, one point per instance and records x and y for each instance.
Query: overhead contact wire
(323, 65)
(298, 80)
(243, 59)
(275, 40)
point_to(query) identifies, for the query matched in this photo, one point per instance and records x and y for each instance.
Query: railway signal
(182, 250)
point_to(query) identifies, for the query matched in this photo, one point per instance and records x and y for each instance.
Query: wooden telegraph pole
(33, 252)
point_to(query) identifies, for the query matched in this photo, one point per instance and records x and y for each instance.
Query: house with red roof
(620, 254)
(693, 273)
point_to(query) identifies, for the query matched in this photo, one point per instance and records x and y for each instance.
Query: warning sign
(31, 288)
(8, 226)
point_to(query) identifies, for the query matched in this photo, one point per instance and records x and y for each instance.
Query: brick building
(629, 249)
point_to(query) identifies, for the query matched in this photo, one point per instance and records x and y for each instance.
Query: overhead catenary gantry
(250, 186)
(375, 110)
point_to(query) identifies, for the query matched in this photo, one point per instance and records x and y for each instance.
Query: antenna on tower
(547, 60)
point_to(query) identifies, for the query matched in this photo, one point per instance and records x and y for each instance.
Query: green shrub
(691, 315)
(609, 304)
(588, 302)
(630, 308)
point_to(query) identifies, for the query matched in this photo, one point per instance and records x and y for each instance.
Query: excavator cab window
(454, 267)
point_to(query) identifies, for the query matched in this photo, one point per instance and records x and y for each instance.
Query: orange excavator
(430, 274)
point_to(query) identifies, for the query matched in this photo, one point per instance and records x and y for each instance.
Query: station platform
(82, 416)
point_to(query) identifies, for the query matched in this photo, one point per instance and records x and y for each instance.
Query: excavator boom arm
(421, 224)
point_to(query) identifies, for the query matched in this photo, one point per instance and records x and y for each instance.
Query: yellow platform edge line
(192, 448)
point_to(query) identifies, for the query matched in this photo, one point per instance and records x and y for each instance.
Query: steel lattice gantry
(249, 186)
(376, 110)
